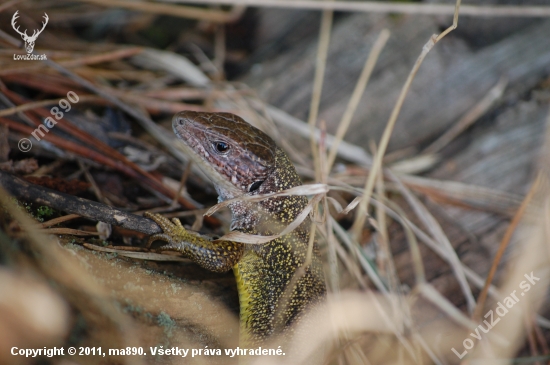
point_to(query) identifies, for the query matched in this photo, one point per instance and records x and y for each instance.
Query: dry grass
(370, 317)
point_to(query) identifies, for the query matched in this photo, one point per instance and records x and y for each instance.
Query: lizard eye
(254, 186)
(220, 147)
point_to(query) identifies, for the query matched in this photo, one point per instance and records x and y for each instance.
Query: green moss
(168, 323)
(133, 309)
(40, 214)
(44, 212)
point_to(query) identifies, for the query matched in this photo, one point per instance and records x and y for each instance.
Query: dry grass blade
(464, 195)
(86, 60)
(528, 263)
(503, 245)
(405, 222)
(146, 122)
(79, 287)
(369, 185)
(390, 301)
(387, 7)
(257, 239)
(320, 64)
(365, 264)
(174, 64)
(469, 118)
(445, 305)
(8, 4)
(346, 150)
(477, 280)
(437, 232)
(109, 157)
(385, 263)
(42, 103)
(174, 10)
(357, 93)
(445, 251)
(416, 256)
(151, 256)
(308, 189)
(155, 106)
(69, 231)
(387, 266)
(414, 165)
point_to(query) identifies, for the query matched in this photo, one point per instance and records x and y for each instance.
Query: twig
(72, 147)
(183, 180)
(77, 285)
(119, 162)
(69, 231)
(75, 205)
(109, 153)
(146, 122)
(53, 222)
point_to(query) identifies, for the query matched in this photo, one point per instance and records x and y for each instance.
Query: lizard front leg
(218, 256)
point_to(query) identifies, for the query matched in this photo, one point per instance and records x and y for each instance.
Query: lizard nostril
(179, 123)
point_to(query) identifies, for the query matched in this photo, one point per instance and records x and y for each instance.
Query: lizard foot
(173, 231)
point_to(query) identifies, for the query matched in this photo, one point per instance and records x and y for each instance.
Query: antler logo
(29, 41)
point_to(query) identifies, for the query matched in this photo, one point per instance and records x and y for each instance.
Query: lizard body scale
(242, 160)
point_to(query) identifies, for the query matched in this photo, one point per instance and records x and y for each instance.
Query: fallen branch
(72, 204)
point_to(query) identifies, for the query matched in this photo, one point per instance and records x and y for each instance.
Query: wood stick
(71, 204)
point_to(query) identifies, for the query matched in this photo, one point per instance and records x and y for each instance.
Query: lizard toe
(177, 222)
(159, 237)
(158, 219)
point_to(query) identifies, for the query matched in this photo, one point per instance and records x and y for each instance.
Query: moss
(44, 212)
(168, 323)
(40, 214)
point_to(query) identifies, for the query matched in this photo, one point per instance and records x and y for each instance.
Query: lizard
(242, 160)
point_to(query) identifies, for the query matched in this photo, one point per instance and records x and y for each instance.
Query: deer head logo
(29, 41)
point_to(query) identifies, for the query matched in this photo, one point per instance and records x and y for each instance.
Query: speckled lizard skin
(242, 160)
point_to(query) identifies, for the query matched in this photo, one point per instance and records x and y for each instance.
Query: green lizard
(242, 160)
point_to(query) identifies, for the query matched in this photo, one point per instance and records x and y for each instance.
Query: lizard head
(236, 156)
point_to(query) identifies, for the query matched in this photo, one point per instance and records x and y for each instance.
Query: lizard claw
(177, 222)
(173, 231)
(218, 256)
